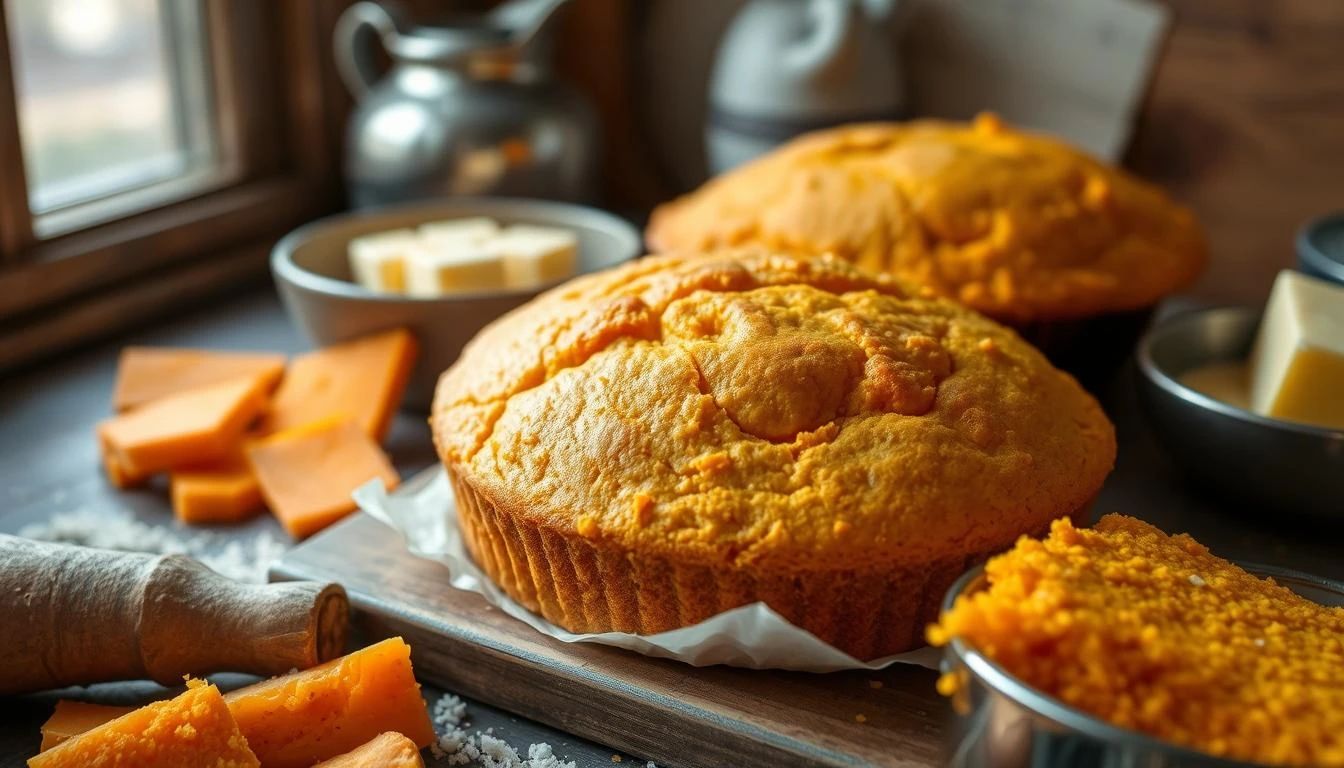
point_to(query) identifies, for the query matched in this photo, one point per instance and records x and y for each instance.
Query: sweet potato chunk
(301, 719)
(149, 373)
(194, 426)
(72, 718)
(387, 750)
(194, 729)
(222, 491)
(362, 379)
(307, 474)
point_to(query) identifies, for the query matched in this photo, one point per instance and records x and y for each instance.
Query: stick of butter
(473, 229)
(378, 260)
(534, 256)
(436, 268)
(1297, 363)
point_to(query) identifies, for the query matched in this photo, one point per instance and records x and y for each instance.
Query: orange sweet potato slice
(223, 491)
(363, 379)
(145, 374)
(186, 428)
(72, 718)
(307, 474)
(193, 729)
(306, 717)
(387, 750)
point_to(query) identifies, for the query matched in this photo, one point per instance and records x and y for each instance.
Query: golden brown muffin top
(737, 407)
(1019, 226)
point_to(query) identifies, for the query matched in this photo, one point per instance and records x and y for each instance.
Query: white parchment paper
(751, 636)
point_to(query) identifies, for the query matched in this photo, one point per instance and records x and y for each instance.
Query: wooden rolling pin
(74, 615)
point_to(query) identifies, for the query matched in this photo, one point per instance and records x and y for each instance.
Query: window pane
(112, 95)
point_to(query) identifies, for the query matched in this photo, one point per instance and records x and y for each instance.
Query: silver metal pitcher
(468, 108)
(785, 67)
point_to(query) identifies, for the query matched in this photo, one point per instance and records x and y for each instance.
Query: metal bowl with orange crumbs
(1122, 645)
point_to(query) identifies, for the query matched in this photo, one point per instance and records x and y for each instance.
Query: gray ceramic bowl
(312, 273)
(1009, 724)
(1320, 247)
(1281, 467)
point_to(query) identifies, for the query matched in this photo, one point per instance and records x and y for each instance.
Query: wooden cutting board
(676, 714)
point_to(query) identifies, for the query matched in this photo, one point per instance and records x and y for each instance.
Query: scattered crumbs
(860, 718)
(1196, 580)
(615, 758)
(448, 711)
(541, 756)
(875, 684)
(453, 741)
(239, 560)
(496, 753)
(457, 747)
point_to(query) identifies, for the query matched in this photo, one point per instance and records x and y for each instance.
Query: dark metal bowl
(1009, 724)
(1281, 466)
(1320, 247)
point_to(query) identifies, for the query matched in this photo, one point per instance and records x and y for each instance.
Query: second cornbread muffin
(642, 448)
(1019, 226)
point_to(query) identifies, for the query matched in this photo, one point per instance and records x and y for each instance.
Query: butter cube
(535, 256)
(437, 268)
(1297, 363)
(473, 229)
(378, 261)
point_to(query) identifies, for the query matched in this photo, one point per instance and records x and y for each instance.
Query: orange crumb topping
(1153, 633)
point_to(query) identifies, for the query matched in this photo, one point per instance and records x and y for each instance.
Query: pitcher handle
(354, 59)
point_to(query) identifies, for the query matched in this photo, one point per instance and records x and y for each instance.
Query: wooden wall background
(1245, 122)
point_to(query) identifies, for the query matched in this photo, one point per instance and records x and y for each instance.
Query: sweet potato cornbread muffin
(642, 448)
(1153, 633)
(1021, 227)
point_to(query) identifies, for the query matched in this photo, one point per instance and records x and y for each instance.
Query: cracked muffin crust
(1021, 227)
(642, 448)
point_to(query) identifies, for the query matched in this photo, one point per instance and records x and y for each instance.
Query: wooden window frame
(283, 108)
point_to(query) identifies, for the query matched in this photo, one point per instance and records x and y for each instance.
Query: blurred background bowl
(1320, 247)
(1280, 467)
(1006, 723)
(312, 274)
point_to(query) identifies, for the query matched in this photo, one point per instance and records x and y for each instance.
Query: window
(112, 98)
(151, 151)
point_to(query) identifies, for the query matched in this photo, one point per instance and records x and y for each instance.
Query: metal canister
(1006, 723)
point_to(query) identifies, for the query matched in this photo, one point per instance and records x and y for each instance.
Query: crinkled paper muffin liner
(586, 585)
